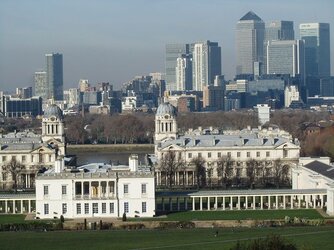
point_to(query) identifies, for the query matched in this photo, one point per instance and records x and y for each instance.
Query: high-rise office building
(317, 48)
(249, 42)
(286, 57)
(184, 72)
(173, 51)
(41, 85)
(206, 63)
(276, 30)
(54, 74)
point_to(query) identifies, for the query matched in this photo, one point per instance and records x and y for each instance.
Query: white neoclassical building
(266, 145)
(33, 151)
(96, 190)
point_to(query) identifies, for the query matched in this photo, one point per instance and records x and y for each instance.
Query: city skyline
(115, 41)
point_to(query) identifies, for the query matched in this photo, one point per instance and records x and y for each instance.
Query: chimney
(133, 162)
(59, 165)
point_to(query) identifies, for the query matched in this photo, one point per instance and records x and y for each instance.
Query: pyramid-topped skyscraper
(249, 43)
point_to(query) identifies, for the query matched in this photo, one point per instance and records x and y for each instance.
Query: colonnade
(94, 189)
(186, 178)
(17, 205)
(197, 202)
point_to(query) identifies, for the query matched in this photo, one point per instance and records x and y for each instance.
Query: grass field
(12, 218)
(312, 237)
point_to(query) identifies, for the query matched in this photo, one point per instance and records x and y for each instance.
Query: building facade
(96, 190)
(41, 85)
(249, 42)
(184, 73)
(317, 48)
(54, 75)
(19, 107)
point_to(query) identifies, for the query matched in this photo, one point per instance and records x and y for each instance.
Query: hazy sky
(115, 40)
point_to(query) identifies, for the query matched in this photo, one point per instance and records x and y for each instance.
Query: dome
(53, 110)
(166, 108)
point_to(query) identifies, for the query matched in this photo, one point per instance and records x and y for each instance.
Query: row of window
(229, 154)
(63, 189)
(23, 159)
(85, 209)
(126, 188)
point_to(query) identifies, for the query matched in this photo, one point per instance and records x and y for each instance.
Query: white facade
(96, 190)
(200, 66)
(129, 103)
(315, 173)
(183, 73)
(291, 93)
(263, 112)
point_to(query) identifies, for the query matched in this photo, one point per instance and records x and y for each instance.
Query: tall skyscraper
(54, 74)
(286, 57)
(184, 72)
(276, 30)
(206, 64)
(41, 85)
(317, 48)
(173, 51)
(249, 42)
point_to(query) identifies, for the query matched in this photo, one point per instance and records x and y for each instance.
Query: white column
(21, 207)
(200, 203)
(216, 202)
(261, 201)
(284, 202)
(307, 198)
(269, 201)
(231, 203)
(239, 203)
(276, 201)
(254, 203)
(223, 202)
(14, 211)
(299, 201)
(193, 203)
(29, 206)
(208, 199)
(6, 207)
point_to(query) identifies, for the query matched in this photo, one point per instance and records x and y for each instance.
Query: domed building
(32, 151)
(165, 122)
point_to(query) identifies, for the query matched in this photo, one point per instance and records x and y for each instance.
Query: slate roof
(321, 168)
(250, 16)
(224, 141)
(20, 141)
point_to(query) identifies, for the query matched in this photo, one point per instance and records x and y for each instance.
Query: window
(95, 208)
(285, 152)
(268, 154)
(4, 158)
(238, 154)
(46, 189)
(23, 158)
(64, 208)
(257, 154)
(63, 189)
(143, 188)
(126, 207)
(190, 155)
(248, 154)
(143, 207)
(50, 158)
(209, 155)
(199, 154)
(126, 188)
(104, 208)
(228, 154)
(78, 208)
(14, 158)
(46, 208)
(112, 208)
(219, 154)
(86, 208)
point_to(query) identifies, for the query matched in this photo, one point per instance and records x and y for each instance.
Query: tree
(170, 163)
(225, 166)
(252, 166)
(14, 168)
(280, 172)
(199, 163)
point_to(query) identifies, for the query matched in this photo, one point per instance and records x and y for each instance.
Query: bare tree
(280, 173)
(252, 166)
(199, 163)
(225, 166)
(170, 164)
(14, 168)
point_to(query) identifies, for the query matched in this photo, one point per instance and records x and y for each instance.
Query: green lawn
(312, 237)
(11, 218)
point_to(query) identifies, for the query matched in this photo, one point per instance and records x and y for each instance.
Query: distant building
(206, 64)
(263, 111)
(291, 94)
(71, 97)
(327, 86)
(286, 57)
(41, 85)
(83, 85)
(18, 107)
(129, 104)
(184, 72)
(213, 98)
(173, 51)
(317, 48)
(24, 93)
(249, 38)
(54, 75)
